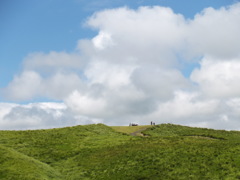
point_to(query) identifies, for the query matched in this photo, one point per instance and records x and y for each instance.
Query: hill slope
(14, 165)
(99, 152)
(129, 129)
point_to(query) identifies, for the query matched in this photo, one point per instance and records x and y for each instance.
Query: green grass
(129, 129)
(15, 165)
(101, 152)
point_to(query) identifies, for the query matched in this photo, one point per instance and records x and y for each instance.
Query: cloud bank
(133, 70)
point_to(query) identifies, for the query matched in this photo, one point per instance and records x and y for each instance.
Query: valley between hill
(165, 151)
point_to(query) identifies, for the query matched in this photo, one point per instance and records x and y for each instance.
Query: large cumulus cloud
(218, 79)
(133, 70)
(214, 32)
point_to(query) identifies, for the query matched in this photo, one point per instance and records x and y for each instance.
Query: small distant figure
(152, 123)
(133, 124)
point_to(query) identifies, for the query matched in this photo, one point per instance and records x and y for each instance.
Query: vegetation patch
(102, 152)
(15, 165)
(129, 129)
(205, 137)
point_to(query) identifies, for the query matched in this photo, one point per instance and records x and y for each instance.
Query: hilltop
(164, 151)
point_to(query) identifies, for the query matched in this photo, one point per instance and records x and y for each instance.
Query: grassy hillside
(129, 129)
(14, 165)
(100, 152)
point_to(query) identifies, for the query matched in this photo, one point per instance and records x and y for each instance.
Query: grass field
(129, 129)
(101, 152)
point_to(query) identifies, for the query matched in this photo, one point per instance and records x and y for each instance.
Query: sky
(76, 62)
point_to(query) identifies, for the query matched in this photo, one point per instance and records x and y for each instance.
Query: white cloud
(111, 75)
(234, 105)
(24, 87)
(150, 34)
(32, 116)
(5, 108)
(86, 105)
(218, 78)
(53, 61)
(215, 32)
(60, 85)
(39, 116)
(30, 84)
(185, 105)
(159, 83)
(102, 40)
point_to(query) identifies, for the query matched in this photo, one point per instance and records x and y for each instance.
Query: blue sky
(137, 59)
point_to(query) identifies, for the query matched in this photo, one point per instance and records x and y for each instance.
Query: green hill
(129, 129)
(14, 165)
(100, 152)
